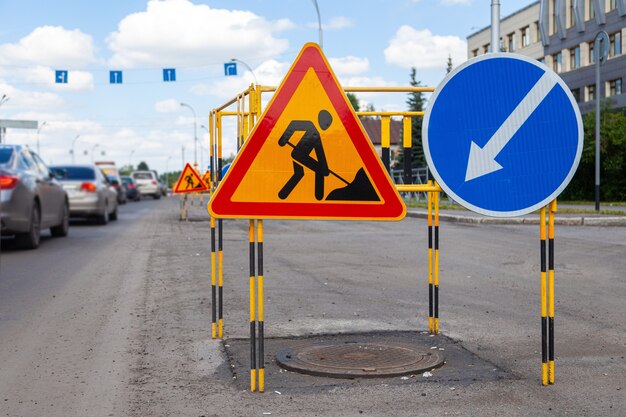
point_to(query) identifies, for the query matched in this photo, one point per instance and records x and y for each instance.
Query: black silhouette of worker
(189, 179)
(301, 153)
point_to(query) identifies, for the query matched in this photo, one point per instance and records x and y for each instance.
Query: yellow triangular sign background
(308, 157)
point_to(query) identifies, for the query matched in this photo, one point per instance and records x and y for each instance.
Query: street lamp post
(195, 135)
(93, 150)
(601, 46)
(319, 25)
(4, 99)
(72, 150)
(38, 130)
(247, 67)
(130, 165)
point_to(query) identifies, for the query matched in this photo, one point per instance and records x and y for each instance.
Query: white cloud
(167, 106)
(29, 100)
(349, 65)
(51, 46)
(76, 80)
(424, 50)
(177, 32)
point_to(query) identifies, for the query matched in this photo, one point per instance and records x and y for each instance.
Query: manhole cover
(359, 360)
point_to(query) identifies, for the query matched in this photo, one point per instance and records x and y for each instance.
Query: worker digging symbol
(360, 189)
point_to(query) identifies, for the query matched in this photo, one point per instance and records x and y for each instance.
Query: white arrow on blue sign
(502, 135)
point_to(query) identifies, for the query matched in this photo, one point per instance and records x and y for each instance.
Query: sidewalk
(565, 219)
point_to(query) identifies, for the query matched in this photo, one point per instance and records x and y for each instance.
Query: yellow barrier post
(213, 295)
(551, 211)
(431, 328)
(261, 304)
(252, 310)
(385, 140)
(436, 262)
(544, 326)
(407, 144)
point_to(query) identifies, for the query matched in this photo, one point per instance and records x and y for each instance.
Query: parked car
(31, 199)
(110, 170)
(162, 185)
(90, 193)
(148, 183)
(132, 192)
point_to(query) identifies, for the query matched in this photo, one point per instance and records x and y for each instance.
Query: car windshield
(111, 178)
(74, 173)
(127, 180)
(142, 176)
(5, 154)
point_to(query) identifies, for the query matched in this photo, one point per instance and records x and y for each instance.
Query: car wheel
(30, 239)
(104, 217)
(157, 196)
(113, 216)
(62, 229)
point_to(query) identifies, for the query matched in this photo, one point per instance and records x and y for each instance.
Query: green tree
(354, 101)
(449, 65)
(415, 102)
(143, 166)
(612, 158)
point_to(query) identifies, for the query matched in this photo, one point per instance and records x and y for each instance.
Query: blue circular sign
(502, 135)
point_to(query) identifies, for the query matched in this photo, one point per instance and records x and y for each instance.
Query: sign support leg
(220, 281)
(213, 289)
(551, 212)
(252, 310)
(544, 323)
(431, 328)
(261, 305)
(436, 262)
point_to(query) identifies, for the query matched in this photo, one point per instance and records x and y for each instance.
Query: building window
(616, 44)
(542, 60)
(591, 12)
(537, 32)
(612, 5)
(557, 62)
(591, 92)
(511, 37)
(574, 58)
(592, 55)
(553, 15)
(615, 87)
(570, 15)
(486, 47)
(525, 36)
(576, 94)
(475, 52)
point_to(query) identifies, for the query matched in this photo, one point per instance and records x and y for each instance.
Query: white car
(148, 183)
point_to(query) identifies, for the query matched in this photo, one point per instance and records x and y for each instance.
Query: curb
(534, 220)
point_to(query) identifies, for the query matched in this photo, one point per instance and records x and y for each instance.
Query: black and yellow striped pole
(213, 289)
(220, 281)
(261, 305)
(544, 324)
(431, 327)
(407, 145)
(220, 223)
(252, 309)
(551, 211)
(436, 264)
(385, 140)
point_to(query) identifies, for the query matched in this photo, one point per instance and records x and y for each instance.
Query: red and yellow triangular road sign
(206, 178)
(189, 181)
(308, 157)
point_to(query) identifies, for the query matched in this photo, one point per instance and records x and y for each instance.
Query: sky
(367, 42)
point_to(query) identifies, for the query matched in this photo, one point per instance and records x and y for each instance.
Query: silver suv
(148, 183)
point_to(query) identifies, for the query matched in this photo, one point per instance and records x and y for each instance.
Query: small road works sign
(189, 181)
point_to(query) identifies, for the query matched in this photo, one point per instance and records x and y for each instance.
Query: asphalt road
(115, 320)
